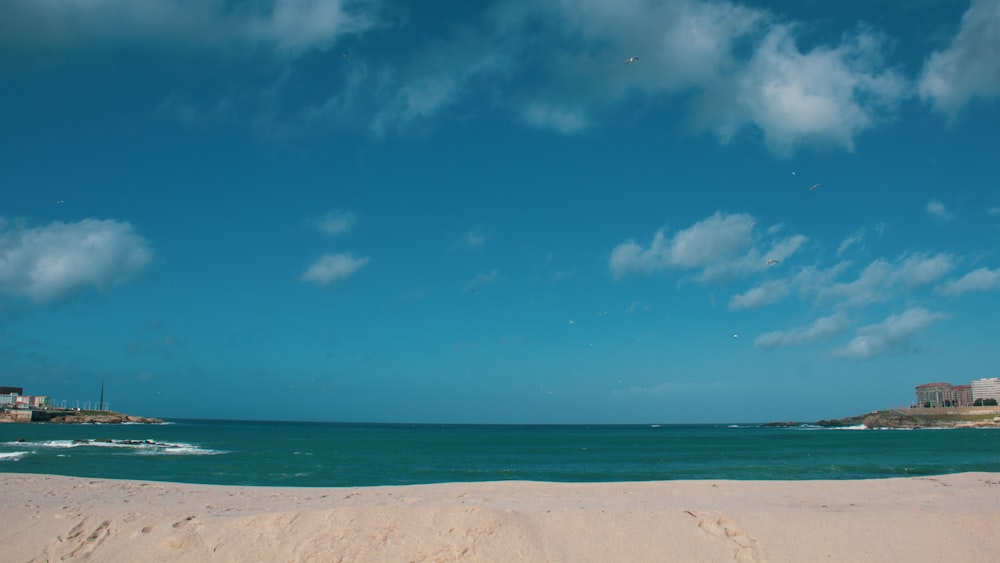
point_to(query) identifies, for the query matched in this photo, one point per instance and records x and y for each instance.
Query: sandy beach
(950, 517)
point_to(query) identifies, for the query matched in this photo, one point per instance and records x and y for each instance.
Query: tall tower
(100, 406)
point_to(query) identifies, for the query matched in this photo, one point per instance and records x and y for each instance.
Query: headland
(71, 416)
(939, 417)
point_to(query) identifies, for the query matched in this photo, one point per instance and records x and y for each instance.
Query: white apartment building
(986, 388)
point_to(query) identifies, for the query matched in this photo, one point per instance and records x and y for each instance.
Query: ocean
(311, 454)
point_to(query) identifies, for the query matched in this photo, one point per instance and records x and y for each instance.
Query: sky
(480, 212)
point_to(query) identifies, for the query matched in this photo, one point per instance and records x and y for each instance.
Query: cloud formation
(558, 66)
(472, 239)
(893, 335)
(968, 67)
(937, 209)
(718, 247)
(331, 268)
(982, 279)
(830, 94)
(287, 27)
(820, 329)
(879, 280)
(337, 222)
(52, 262)
(481, 279)
(737, 66)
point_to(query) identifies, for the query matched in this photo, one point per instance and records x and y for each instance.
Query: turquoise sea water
(328, 454)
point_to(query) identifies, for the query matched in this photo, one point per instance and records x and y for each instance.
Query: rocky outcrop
(103, 418)
(902, 419)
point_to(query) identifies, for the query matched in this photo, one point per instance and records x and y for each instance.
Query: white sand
(944, 518)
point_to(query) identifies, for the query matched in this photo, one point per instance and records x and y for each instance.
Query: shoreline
(953, 517)
(67, 416)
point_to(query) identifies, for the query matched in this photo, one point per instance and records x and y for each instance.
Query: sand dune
(953, 517)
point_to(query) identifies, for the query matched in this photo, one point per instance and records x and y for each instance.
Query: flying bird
(631, 60)
(60, 202)
(571, 323)
(772, 262)
(815, 187)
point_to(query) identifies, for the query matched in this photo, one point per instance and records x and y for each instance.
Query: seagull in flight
(772, 262)
(815, 187)
(631, 60)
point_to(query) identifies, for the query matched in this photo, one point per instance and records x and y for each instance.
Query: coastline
(938, 418)
(73, 417)
(947, 517)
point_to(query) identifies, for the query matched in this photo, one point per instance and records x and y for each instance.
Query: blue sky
(395, 211)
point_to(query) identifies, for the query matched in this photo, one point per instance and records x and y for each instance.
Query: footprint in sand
(90, 543)
(745, 547)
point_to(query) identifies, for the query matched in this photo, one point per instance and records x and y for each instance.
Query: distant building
(14, 397)
(963, 395)
(944, 395)
(38, 401)
(986, 388)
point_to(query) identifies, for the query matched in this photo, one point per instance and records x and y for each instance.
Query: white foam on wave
(145, 447)
(12, 456)
(855, 427)
(178, 449)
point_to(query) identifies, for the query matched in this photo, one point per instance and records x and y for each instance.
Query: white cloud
(870, 287)
(680, 44)
(806, 282)
(968, 68)
(982, 279)
(829, 95)
(737, 64)
(719, 246)
(473, 238)
(637, 306)
(892, 335)
(880, 279)
(820, 329)
(288, 27)
(333, 267)
(52, 262)
(922, 269)
(764, 294)
(718, 238)
(337, 222)
(546, 116)
(856, 239)
(482, 279)
(937, 209)
(442, 76)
